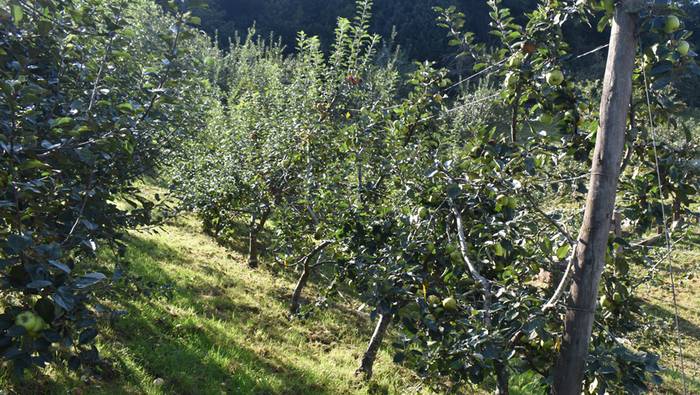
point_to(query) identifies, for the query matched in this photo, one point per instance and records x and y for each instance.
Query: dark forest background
(413, 20)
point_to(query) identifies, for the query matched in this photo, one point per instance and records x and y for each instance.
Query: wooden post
(595, 230)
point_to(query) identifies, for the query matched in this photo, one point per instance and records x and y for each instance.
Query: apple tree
(87, 98)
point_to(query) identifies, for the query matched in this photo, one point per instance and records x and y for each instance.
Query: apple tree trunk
(370, 355)
(305, 274)
(256, 226)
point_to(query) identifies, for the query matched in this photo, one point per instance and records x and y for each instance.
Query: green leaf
(19, 243)
(17, 14)
(87, 335)
(33, 164)
(563, 251)
(602, 23)
(89, 280)
(58, 122)
(59, 265)
(125, 107)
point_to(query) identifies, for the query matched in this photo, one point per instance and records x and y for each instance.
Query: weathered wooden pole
(595, 230)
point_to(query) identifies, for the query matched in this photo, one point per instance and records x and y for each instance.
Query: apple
(617, 297)
(501, 201)
(512, 202)
(672, 24)
(516, 60)
(528, 47)
(423, 213)
(433, 300)
(456, 257)
(546, 118)
(500, 251)
(683, 47)
(555, 77)
(30, 321)
(435, 197)
(450, 304)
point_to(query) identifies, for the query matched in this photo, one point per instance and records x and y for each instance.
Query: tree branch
(485, 283)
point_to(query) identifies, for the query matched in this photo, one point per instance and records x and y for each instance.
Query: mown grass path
(204, 323)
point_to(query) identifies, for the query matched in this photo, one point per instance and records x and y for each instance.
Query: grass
(204, 323)
(686, 266)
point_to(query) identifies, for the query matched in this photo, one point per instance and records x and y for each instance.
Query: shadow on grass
(190, 353)
(687, 328)
(194, 357)
(691, 330)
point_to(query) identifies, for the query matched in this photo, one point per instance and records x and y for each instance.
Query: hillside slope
(204, 323)
(200, 322)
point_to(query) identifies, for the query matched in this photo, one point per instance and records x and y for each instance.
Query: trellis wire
(666, 235)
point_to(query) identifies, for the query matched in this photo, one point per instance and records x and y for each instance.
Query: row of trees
(437, 213)
(431, 200)
(93, 95)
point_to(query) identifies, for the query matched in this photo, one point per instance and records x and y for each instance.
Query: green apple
(683, 47)
(499, 250)
(501, 201)
(555, 77)
(433, 300)
(617, 297)
(512, 202)
(546, 118)
(450, 304)
(423, 213)
(672, 24)
(456, 257)
(30, 321)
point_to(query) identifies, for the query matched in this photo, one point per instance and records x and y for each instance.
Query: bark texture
(595, 230)
(305, 274)
(256, 226)
(370, 355)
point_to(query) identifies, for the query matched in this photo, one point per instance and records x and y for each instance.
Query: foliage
(435, 202)
(91, 94)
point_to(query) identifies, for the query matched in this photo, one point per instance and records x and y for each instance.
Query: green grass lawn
(686, 263)
(212, 326)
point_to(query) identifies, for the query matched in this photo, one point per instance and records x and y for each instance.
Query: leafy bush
(91, 94)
